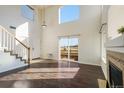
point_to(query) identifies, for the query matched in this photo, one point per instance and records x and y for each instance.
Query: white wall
(8, 62)
(10, 15)
(115, 19)
(87, 26)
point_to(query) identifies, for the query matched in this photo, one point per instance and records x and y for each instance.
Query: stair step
(19, 57)
(23, 60)
(16, 55)
(6, 50)
(11, 52)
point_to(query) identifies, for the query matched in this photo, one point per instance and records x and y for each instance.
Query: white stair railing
(10, 43)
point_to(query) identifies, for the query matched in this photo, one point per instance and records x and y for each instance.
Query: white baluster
(9, 42)
(14, 45)
(0, 37)
(21, 50)
(4, 38)
(17, 49)
(26, 54)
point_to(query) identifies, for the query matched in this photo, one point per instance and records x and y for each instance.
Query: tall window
(69, 13)
(27, 12)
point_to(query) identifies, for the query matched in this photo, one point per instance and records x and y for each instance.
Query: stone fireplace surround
(117, 59)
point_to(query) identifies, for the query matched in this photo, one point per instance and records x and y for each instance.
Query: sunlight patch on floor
(42, 61)
(37, 61)
(102, 83)
(59, 70)
(21, 84)
(43, 73)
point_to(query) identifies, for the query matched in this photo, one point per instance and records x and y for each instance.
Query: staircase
(13, 52)
(16, 55)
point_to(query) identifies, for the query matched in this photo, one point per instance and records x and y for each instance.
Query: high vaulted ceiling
(42, 6)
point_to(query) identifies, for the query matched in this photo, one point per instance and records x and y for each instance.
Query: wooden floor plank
(53, 74)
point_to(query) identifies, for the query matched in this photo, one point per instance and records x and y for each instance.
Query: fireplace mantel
(119, 49)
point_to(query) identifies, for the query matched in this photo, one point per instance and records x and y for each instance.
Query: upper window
(27, 12)
(69, 13)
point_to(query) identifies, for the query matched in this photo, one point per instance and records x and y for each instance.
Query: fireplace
(115, 69)
(115, 76)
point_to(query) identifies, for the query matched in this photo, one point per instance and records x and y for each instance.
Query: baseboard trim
(89, 63)
(72, 61)
(36, 58)
(13, 71)
(48, 59)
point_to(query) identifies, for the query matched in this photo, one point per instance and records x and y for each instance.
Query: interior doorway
(68, 48)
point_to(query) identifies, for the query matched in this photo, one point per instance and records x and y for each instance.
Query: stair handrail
(3, 29)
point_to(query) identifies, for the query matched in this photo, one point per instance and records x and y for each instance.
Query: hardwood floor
(52, 74)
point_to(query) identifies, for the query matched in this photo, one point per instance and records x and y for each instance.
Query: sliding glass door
(68, 48)
(63, 48)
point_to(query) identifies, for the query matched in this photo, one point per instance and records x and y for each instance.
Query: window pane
(73, 44)
(27, 12)
(64, 48)
(69, 13)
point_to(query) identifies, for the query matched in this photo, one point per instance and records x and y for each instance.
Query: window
(69, 13)
(27, 12)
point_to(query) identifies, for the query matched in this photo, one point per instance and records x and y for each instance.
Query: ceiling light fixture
(43, 17)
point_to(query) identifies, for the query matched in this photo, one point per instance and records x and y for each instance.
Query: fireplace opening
(115, 76)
